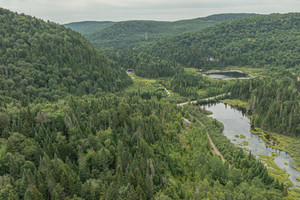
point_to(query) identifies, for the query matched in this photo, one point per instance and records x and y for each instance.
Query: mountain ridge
(135, 32)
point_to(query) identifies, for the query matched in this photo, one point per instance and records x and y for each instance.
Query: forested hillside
(257, 41)
(134, 33)
(274, 101)
(74, 127)
(108, 148)
(40, 60)
(88, 27)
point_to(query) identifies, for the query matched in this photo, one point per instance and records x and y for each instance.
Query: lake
(226, 75)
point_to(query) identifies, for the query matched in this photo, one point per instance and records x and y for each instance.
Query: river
(236, 123)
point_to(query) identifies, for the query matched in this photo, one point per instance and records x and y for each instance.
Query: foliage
(64, 136)
(42, 60)
(112, 148)
(236, 102)
(89, 27)
(258, 41)
(274, 102)
(133, 33)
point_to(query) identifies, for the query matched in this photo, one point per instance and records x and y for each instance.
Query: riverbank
(227, 74)
(236, 103)
(229, 148)
(281, 142)
(206, 100)
(277, 141)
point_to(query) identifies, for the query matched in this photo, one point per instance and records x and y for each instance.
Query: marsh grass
(236, 102)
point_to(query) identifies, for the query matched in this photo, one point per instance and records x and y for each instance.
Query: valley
(206, 108)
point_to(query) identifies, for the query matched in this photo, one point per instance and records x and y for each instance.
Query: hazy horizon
(69, 11)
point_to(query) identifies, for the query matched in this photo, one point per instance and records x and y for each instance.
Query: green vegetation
(265, 135)
(236, 103)
(291, 146)
(229, 151)
(45, 61)
(275, 154)
(110, 148)
(191, 70)
(275, 171)
(89, 27)
(258, 72)
(197, 86)
(274, 102)
(258, 41)
(73, 125)
(253, 42)
(145, 88)
(135, 33)
(281, 142)
(288, 144)
(242, 136)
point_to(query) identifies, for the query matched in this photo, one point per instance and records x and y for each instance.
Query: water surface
(237, 123)
(226, 75)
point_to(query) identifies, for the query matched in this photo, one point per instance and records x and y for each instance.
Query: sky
(64, 11)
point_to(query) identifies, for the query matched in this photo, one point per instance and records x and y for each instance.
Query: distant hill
(88, 27)
(133, 33)
(257, 41)
(227, 16)
(42, 60)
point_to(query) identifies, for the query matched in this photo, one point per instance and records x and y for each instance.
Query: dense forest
(73, 125)
(126, 34)
(256, 41)
(108, 148)
(42, 60)
(274, 101)
(89, 27)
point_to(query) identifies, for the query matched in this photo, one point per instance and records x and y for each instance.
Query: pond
(237, 129)
(226, 75)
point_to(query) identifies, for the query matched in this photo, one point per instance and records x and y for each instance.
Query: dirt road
(214, 148)
(206, 99)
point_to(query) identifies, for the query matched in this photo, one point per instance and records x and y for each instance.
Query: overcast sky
(64, 11)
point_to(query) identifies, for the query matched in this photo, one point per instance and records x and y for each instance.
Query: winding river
(236, 123)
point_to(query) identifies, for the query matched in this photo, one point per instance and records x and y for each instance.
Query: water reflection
(236, 123)
(226, 75)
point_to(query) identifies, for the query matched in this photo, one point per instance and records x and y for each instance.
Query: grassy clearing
(236, 102)
(275, 171)
(259, 72)
(191, 70)
(149, 88)
(136, 78)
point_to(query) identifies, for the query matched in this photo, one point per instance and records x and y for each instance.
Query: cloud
(63, 11)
